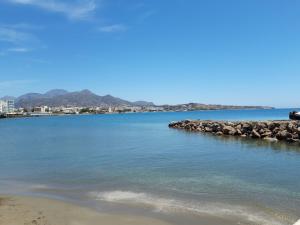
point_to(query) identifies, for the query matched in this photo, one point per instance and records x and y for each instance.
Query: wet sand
(40, 211)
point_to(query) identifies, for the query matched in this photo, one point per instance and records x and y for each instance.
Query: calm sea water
(135, 161)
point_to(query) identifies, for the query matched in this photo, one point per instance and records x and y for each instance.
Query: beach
(16, 210)
(40, 211)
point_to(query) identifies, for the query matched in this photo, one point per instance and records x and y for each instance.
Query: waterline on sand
(169, 206)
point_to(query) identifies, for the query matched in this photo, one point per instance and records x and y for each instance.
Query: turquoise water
(124, 161)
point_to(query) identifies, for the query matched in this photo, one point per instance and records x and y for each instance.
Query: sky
(164, 51)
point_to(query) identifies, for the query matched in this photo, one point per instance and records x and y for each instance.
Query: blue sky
(165, 51)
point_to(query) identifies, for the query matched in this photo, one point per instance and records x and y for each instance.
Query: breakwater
(275, 130)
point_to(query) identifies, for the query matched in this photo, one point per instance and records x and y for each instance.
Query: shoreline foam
(15, 210)
(242, 214)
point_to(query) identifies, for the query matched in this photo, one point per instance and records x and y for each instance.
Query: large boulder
(238, 132)
(255, 134)
(266, 134)
(283, 126)
(291, 127)
(261, 125)
(239, 127)
(173, 124)
(273, 125)
(216, 127)
(284, 135)
(229, 130)
(247, 128)
(208, 129)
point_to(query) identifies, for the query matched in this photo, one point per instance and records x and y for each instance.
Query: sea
(135, 164)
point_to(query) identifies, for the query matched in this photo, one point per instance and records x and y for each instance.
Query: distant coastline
(62, 102)
(92, 112)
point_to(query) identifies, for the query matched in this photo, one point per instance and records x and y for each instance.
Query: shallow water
(134, 161)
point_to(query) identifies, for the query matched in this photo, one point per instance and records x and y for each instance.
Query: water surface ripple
(136, 160)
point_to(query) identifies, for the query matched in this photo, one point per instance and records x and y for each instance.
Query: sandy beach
(15, 210)
(38, 211)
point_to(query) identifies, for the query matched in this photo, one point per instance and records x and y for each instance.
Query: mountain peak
(55, 92)
(60, 97)
(86, 91)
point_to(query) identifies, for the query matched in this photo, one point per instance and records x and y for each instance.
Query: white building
(41, 109)
(7, 106)
(2, 106)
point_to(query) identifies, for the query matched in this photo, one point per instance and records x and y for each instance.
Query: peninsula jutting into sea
(59, 101)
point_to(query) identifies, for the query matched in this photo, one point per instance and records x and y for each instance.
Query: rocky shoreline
(273, 130)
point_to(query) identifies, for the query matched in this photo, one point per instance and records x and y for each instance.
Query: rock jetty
(275, 130)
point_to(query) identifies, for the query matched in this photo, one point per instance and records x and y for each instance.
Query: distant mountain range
(59, 97)
(86, 98)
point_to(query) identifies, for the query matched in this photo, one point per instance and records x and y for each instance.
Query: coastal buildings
(7, 106)
(42, 109)
(2, 106)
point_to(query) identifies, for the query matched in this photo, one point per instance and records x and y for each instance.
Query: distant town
(61, 102)
(7, 108)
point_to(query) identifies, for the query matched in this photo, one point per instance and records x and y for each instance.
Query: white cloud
(14, 50)
(15, 36)
(18, 36)
(22, 26)
(20, 50)
(113, 28)
(79, 9)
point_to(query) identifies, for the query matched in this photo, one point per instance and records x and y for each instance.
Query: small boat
(295, 115)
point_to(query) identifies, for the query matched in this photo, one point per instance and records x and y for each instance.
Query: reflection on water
(256, 143)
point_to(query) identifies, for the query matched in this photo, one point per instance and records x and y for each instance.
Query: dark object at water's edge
(12, 116)
(283, 130)
(294, 115)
